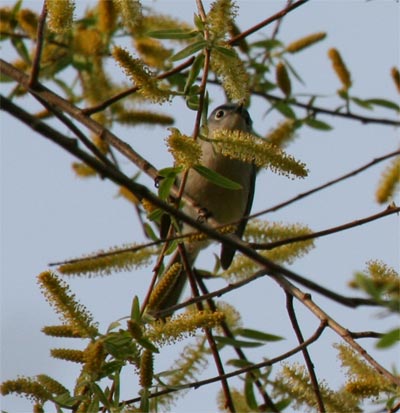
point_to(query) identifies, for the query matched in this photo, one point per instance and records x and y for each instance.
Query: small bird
(224, 205)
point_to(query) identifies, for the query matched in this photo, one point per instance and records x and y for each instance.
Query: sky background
(47, 214)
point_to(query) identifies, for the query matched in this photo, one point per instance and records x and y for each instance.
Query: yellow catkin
(340, 68)
(26, 386)
(396, 77)
(82, 170)
(231, 71)
(249, 148)
(183, 325)
(135, 329)
(304, 42)
(135, 117)
(107, 16)
(389, 182)
(7, 20)
(282, 79)
(94, 356)
(60, 15)
(127, 194)
(61, 331)
(59, 296)
(282, 134)
(131, 12)
(88, 42)
(152, 52)
(185, 150)
(220, 17)
(76, 356)
(163, 286)
(139, 75)
(28, 22)
(53, 386)
(146, 369)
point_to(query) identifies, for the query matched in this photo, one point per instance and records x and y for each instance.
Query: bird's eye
(219, 114)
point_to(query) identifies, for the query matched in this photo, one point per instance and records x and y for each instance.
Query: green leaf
(173, 34)
(189, 50)
(249, 393)
(362, 103)
(170, 171)
(135, 310)
(385, 103)
(225, 51)
(285, 109)
(239, 363)
(268, 44)
(155, 215)
(227, 341)
(389, 339)
(21, 49)
(194, 72)
(165, 186)
(147, 344)
(150, 231)
(216, 178)
(317, 124)
(100, 394)
(257, 335)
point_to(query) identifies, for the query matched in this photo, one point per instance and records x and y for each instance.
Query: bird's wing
(227, 252)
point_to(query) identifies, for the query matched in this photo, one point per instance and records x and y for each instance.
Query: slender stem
(271, 245)
(39, 47)
(306, 354)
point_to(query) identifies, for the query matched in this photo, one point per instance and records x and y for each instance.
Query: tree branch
(271, 245)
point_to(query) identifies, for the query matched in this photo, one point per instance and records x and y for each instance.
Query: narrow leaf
(135, 310)
(189, 50)
(226, 341)
(216, 178)
(317, 124)
(165, 187)
(225, 51)
(389, 339)
(249, 393)
(173, 34)
(194, 72)
(257, 335)
(285, 109)
(385, 103)
(362, 103)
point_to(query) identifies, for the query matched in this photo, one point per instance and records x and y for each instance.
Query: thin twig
(326, 185)
(336, 113)
(39, 47)
(271, 245)
(104, 105)
(247, 369)
(228, 333)
(266, 22)
(306, 354)
(276, 271)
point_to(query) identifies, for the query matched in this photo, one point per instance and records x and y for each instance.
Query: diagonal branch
(391, 209)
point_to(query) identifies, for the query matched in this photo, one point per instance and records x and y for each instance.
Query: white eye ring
(219, 114)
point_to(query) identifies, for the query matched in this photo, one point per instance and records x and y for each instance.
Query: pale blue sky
(47, 214)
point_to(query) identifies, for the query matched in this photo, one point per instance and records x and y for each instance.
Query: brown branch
(318, 109)
(306, 300)
(39, 46)
(327, 184)
(365, 334)
(247, 369)
(104, 105)
(228, 333)
(266, 22)
(142, 192)
(271, 245)
(306, 354)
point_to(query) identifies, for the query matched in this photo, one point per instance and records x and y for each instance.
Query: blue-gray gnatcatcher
(224, 205)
